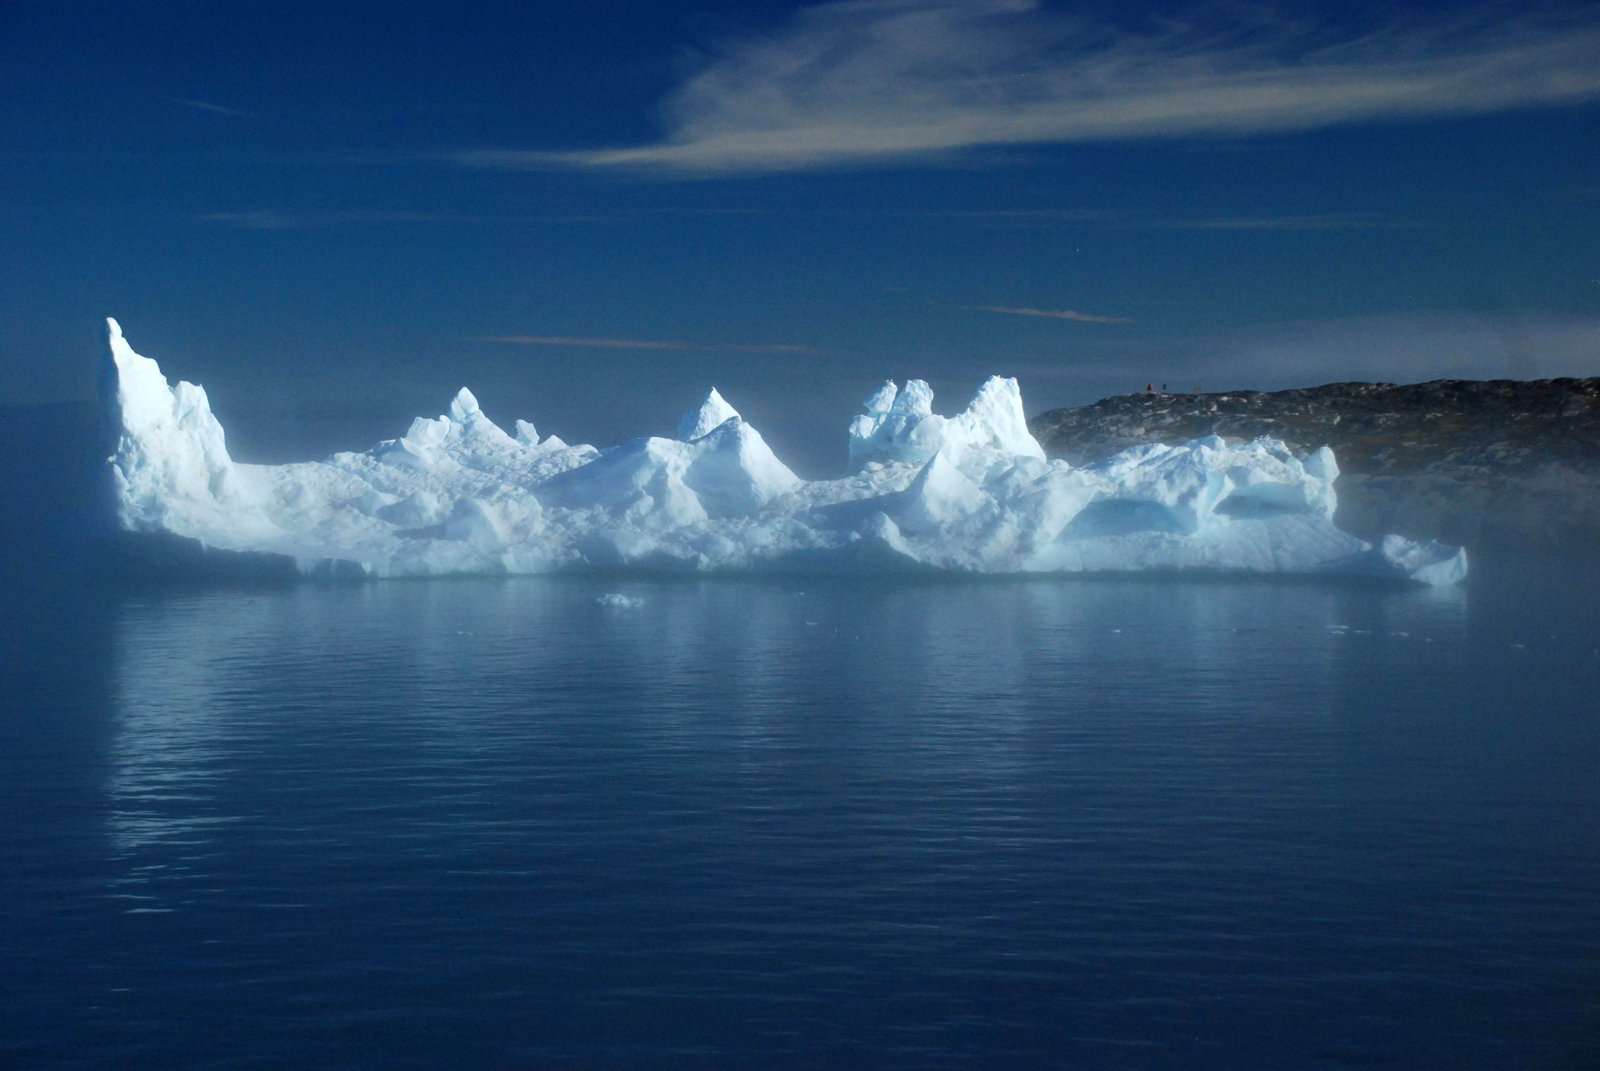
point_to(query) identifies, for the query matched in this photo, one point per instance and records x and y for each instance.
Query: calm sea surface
(803, 823)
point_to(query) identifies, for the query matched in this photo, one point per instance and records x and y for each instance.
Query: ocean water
(792, 823)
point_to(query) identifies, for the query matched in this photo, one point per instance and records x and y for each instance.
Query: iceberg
(970, 493)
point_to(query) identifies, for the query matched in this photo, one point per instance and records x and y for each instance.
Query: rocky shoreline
(1498, 466)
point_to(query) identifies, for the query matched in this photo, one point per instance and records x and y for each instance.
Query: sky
(334, 214)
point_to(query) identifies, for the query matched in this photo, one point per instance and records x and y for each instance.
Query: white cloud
(1053, 314)
(274, 220)
(878, 81)
(214, 109)
(277, 220)
(1337, 221)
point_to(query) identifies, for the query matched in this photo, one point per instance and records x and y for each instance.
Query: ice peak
(464, 407)
(880, 400)
(475, 426)
(169, 453)
(994, 419)
(704, 420)
(902, 426)
(915, 401)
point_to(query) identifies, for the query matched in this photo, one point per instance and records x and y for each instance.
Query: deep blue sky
(329, 213)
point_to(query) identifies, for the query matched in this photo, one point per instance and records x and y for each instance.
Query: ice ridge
(969, 493)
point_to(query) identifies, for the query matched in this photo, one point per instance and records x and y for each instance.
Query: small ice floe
(621, 602)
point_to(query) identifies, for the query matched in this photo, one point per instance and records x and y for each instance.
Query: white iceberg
(971, 493)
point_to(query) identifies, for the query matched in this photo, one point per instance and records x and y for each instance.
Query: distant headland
(1495, 465)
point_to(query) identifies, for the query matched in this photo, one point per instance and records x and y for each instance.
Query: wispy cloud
(277, 220)
(274, 220)
(1054, 314)
(881, 81)
(214, 109)
(643, 344)
(1329, 222)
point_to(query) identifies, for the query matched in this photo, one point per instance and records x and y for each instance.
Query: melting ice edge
(971, 493)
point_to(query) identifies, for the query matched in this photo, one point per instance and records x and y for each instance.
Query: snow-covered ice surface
(970, 493)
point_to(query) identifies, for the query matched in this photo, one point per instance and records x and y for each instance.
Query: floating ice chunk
(619, 601)
(972, 492)
(1430, 562)
(1398, 558)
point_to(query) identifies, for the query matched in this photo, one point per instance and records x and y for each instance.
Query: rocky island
(1497, 466)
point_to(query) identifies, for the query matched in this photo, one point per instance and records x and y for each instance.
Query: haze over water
(813, 822)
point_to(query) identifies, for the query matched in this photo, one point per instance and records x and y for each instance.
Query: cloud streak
(214, 109)
(1326, 222)
(277, 220)
(274, 220)
(1054, 314)
(643, 344)
(875, 82)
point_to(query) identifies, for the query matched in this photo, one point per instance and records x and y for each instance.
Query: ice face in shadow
(969, 493)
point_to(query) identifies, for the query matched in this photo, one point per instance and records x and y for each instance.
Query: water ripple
(757, 824)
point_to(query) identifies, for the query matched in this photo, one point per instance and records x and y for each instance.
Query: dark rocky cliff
(1500, 466)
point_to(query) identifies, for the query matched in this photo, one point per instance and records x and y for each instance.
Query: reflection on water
(204, 682)
(829, 822)
(167, 753)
